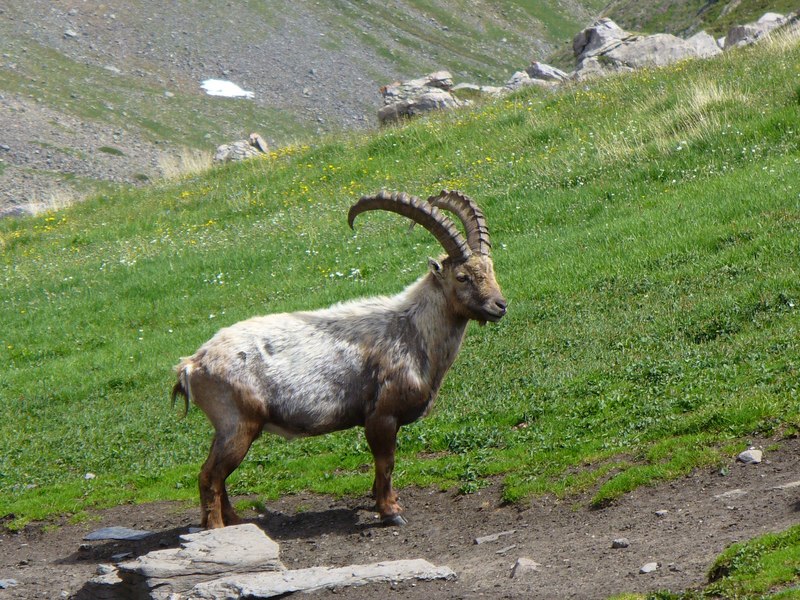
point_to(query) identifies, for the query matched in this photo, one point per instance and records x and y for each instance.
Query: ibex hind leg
(236, 424)
(227, 453)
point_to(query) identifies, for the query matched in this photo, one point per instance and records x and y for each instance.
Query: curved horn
(471, 216)
(442, 228)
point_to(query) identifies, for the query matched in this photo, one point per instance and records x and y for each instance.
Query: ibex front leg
(381, 433)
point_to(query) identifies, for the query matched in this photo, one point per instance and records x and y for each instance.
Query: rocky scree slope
(99, 91)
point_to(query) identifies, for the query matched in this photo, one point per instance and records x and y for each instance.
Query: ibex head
(466, 273)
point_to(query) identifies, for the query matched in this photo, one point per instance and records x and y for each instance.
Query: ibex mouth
(496, 310)
(494, 315)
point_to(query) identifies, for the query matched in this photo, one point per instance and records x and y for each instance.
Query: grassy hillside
(646, 234)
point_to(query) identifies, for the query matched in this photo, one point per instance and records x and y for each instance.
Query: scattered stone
(620, 543)
(506, 549)
(648, 568)
(524, 566)
(494, 537)
(70, 34)
(675, 568)
(117, 533)
(751, 456)
(89, 476)
(8, 583)
(731, 494)
(788, 486)
(662, 513)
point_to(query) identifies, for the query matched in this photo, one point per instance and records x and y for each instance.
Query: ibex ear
(436, 267)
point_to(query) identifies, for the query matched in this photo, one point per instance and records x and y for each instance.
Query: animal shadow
(314, 523)
(113, 551)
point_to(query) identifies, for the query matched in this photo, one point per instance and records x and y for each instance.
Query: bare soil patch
(570, 540)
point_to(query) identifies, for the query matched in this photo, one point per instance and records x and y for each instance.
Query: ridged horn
(442, 228)
(471, 216)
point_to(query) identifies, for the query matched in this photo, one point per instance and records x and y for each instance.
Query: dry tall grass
(189, 161)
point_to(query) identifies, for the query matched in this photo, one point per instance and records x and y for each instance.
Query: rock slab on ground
(237, 562)
(117, 533)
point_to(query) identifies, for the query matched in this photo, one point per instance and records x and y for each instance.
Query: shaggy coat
(377, 363)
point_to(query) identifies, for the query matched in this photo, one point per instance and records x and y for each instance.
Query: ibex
(376, 362)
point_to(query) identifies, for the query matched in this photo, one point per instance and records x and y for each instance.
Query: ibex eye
(461, 277)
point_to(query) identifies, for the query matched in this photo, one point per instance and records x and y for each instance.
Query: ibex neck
(440, 329)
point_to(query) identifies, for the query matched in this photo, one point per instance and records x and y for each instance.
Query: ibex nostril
(501, 304)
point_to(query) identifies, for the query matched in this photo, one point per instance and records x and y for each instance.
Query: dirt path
(570, 541)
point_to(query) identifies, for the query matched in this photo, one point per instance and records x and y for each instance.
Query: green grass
(646, 234)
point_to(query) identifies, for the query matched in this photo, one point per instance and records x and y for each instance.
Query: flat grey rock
(649, 568)
(524, 566)
(117, 533)
(751, 456)
(239, 562)
(494, 537)
(270, 585)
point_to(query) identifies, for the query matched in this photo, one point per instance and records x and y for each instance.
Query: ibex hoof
(394, 520)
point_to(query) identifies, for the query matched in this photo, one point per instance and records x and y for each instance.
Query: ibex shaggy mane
(376, 362)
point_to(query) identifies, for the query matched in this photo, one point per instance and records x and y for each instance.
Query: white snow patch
(220, 87)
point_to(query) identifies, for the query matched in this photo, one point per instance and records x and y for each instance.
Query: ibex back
(376, 362)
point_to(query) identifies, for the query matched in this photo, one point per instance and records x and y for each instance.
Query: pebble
(751, 456)
(494, 537)
(661, 513)
(731, 494)
(523, 566)
(649, 567)
(620, 543)
(7, 583)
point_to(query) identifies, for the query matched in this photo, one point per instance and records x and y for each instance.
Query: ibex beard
(376, 362)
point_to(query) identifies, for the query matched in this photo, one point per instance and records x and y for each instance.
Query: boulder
(471, 89)
(538, 70)
(660, 50)
(417, 96)
(606, 48)
(750, 33)
(521, 79)
(602, 36)
(704, 44)
(241, 149)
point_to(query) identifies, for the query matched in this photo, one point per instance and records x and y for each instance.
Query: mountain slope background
(100, 90)
(98, 93)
